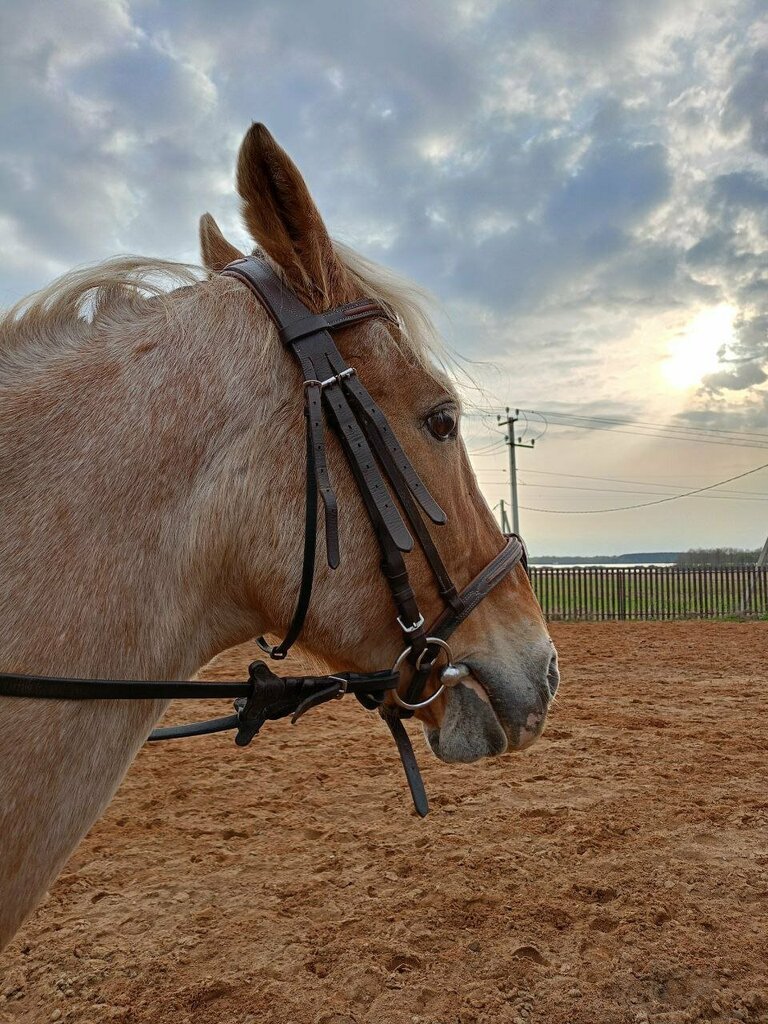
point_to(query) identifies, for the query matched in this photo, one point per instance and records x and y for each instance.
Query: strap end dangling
(409, 762)
(331, 529)
(317, 464)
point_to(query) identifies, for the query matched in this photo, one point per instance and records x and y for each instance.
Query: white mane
(66, 312)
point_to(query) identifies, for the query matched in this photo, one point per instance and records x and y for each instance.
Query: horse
(150, 464)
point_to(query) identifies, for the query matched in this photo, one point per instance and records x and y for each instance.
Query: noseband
(396, 501)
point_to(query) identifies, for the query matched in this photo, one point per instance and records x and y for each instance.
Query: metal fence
(650, 592)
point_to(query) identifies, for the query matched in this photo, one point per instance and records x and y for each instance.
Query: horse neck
(113, 517)
(113, 563)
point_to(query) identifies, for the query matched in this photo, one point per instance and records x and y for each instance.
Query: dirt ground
(616, 872)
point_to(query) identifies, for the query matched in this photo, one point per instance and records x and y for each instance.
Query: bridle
(395, 500)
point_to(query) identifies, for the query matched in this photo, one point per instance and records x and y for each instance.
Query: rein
(332, 392)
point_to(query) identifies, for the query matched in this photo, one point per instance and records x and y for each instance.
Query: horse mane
(68, 311)
(404, 301)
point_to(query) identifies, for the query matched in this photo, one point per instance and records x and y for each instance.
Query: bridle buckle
(343, 686)
(337, 378)
(273, 651)
(413, 628)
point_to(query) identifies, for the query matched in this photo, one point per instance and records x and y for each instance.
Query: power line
(668, 432)
(487, 449)
(661, 435)
(726, 496)
(646, 504)
(645, 423)
(609, 479)
(615, 490)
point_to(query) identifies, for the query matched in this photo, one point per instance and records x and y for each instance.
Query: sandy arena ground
(616, 872)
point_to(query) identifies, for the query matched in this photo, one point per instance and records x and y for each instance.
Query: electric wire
(646, 423)
(671, 433)
(668, 432)
(615, 490)
(646, 504)
(483, 473)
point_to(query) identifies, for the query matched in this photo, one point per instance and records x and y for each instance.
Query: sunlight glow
(437, 148)
(693, 353)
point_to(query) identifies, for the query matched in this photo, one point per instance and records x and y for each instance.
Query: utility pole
(504, 517)
(512, 443)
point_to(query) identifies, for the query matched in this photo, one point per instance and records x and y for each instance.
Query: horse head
(499, 700)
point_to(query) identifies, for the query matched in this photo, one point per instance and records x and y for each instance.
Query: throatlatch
(392, 493)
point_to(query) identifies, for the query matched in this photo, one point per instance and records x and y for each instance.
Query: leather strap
(55, 688)
(367, 445)
(264, 696)
(353, 441)
(314, 450)
(289, 314)
(183, 732)
(379, 428)
(480, 587)
(342, 316)
(410, 764)
(317, 459)
(404, 491)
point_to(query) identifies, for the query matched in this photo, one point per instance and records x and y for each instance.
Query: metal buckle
(336, 379)
(431, 641)
(274, 652)
(411, 629)
(343, 686)
(339, 377)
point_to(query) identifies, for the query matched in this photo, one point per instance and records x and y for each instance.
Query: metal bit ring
(434, 641)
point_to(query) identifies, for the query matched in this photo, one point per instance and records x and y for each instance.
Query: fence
(650, 592)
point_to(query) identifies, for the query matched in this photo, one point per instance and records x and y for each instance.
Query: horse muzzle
(491, 709)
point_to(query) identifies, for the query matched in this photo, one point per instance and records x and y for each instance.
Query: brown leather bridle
(392, 493)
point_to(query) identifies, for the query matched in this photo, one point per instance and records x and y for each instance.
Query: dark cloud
(539, 160)
(591, 28)
(744, 189)
(746, 103)
(744, 359)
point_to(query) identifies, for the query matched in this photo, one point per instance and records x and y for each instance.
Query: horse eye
(443, 423)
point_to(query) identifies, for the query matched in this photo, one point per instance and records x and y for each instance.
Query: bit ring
(433, 641)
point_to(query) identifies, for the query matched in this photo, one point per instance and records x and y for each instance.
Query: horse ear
(282, 217)
(216, 251)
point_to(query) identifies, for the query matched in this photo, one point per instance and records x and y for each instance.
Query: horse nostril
(553, 675)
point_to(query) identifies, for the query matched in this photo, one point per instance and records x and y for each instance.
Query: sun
(693, 352)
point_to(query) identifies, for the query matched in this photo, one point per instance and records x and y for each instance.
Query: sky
(582, 184)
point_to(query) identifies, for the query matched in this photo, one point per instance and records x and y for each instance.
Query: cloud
(579, 170)
(746, 102)
(744, 359)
